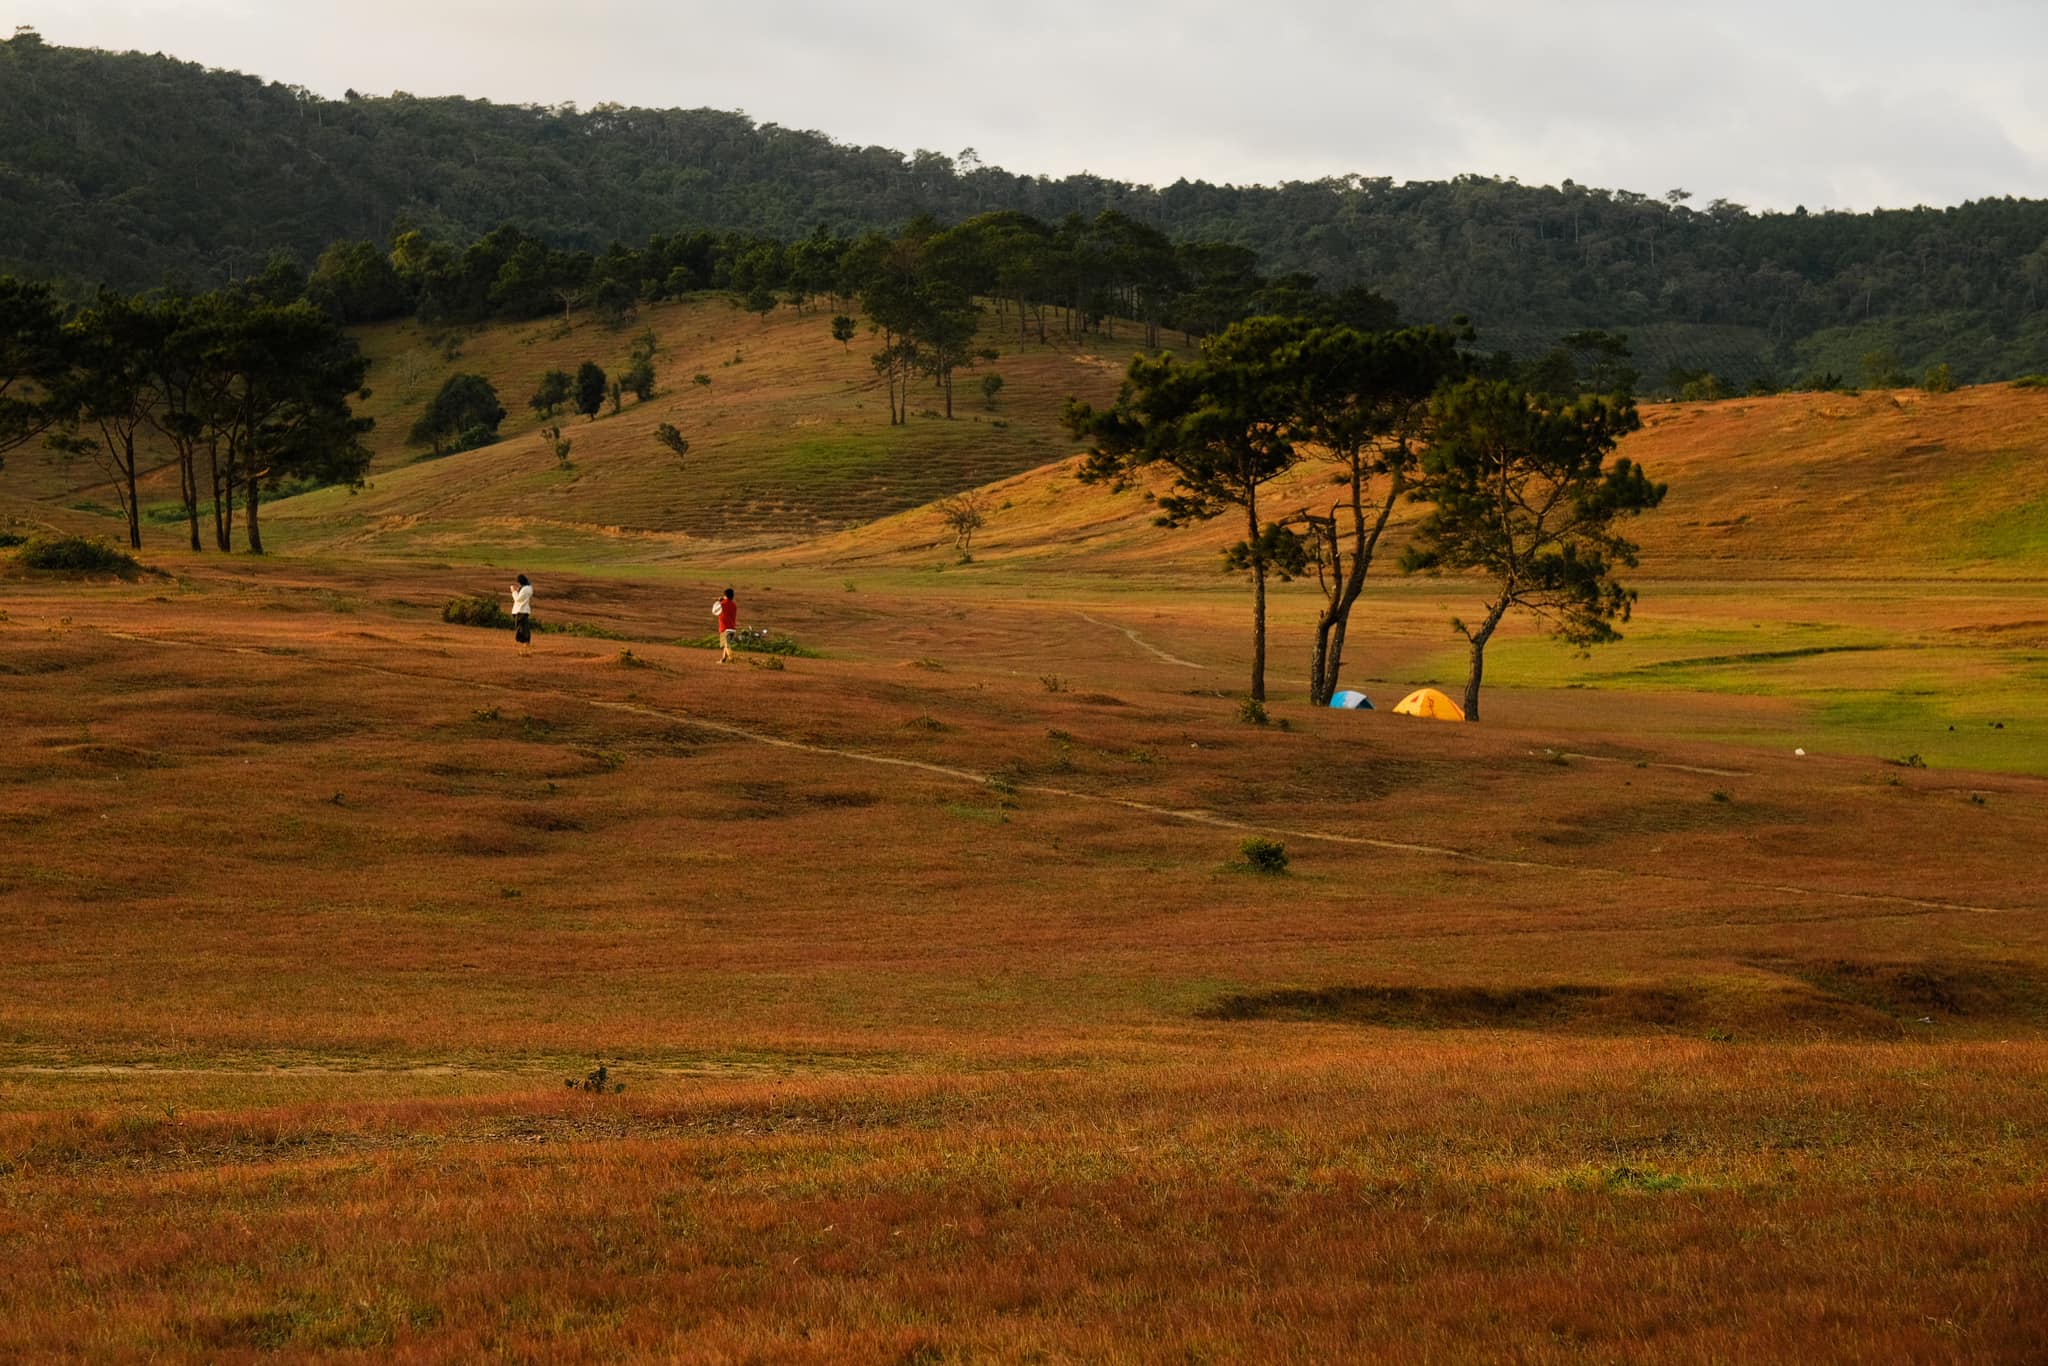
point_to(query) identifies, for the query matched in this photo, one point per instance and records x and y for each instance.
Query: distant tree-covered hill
(128, 168)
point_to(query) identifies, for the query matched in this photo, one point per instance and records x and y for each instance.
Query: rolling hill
(792, 461)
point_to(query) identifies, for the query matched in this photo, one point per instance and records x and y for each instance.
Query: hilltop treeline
(1081, 274)
(125, 167)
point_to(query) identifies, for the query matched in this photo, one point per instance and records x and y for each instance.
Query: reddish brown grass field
(950, 1028)
(950, 1023)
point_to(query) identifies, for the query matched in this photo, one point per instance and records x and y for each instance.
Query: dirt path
(1144, 644)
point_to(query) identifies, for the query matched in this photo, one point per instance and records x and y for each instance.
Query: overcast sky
(1772, 103)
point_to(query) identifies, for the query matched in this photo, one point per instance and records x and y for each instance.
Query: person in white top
(522, 611)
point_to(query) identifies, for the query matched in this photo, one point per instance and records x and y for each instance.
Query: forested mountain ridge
(127, 168)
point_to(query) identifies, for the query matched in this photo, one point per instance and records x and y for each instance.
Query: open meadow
(950, 1021)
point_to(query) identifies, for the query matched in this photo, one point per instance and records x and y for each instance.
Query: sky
(1851, 104)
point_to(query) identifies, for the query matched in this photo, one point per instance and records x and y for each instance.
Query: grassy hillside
(793, 462)
(789, 436)
(1807, 485)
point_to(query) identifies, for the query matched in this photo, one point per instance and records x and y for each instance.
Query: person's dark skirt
(522, 628)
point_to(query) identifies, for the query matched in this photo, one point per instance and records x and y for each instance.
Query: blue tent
(1351, 701)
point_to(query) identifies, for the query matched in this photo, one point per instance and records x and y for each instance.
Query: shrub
(77, 555)
(1939, 379)
(10, 539)
(1262, 855)
(756, 643)
(597, 1081)
(464, 415)
(477, 611)
(2031, 382)
(1252, 712)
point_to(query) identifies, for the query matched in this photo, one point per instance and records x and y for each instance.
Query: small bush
(1262, 855)
(1939, 379)
(477, 611)
(1910, 761)
(1252, 712)
(598, 1081)
(1052, 682)
(10, 539)
(77, 555)
(1721, 795)
(2031, 382)
(755, 643)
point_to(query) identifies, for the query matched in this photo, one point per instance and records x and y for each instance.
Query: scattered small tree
(670, 436)
(464, 414)
(1939, 379)
(639, 377)
(556, 442)
(554, 390)
(964, 514)
(1521, 492)
(590, 389)
(842, 330)
(991, 385)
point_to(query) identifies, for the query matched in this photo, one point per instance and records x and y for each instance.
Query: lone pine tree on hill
(1224, 424)
(1521, 491)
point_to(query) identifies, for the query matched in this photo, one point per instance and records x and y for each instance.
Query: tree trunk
(1479, 639)
(1258, 604)
(188, 487)
(134, 512)
(213, 471)
(1320, 688)
(255, 535)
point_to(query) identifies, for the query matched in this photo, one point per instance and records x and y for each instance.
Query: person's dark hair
(728, 592)
(524, 582)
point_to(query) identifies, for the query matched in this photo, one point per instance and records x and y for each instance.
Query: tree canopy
(1520, 491)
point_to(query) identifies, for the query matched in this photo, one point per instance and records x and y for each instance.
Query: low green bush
(1262, 855)
(755, 643)
(477, 611)
(77, 555)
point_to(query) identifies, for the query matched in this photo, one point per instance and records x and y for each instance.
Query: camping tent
(1351, 701)
(1430, 703)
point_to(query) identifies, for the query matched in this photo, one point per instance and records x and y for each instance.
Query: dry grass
(951, 1028)
(965, 1040)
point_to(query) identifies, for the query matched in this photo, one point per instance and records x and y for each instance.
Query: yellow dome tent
(1430, 703)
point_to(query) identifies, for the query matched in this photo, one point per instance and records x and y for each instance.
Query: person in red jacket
(728, 613)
